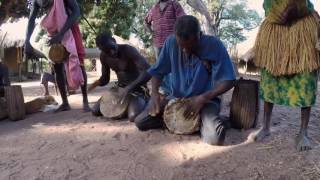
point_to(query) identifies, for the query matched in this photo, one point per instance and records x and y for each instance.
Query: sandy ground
(75, 145)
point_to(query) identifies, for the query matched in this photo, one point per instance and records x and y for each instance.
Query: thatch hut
(245, 63)
(12, 38)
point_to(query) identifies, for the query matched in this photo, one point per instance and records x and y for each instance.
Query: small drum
(58, 53)
(176, 122)
(244, 107)
(110, 106)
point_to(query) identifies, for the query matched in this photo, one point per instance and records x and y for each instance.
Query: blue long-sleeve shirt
(191, 76)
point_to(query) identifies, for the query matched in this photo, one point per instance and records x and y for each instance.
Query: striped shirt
(162, 22)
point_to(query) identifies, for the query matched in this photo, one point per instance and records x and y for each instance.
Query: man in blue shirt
(201, 71)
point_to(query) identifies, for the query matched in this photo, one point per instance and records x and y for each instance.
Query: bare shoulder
(126, 48)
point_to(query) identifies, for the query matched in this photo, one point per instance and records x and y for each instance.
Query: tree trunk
(200, 6)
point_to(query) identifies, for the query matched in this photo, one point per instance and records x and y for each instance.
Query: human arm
(28, 49)
(71, 5)
(222, 78)
(105, 75)
(196, 103)
(158, 71)
(148, 21)
(142, 65)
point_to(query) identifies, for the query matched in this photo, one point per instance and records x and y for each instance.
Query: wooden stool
(15, 102)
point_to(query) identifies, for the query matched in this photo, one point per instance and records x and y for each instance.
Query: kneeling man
(200, 70)
(130, 66)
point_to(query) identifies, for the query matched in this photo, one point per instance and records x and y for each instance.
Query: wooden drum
(58, 53)
(244, 107)
(110, 106)
(15, 102)
(176, 122)
(3, 108)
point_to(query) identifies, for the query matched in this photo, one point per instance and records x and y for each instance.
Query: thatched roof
(13, 9)
(13, 34)
(248, 56)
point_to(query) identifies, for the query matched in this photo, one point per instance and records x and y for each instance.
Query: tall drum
(244, 108)
(15, 102)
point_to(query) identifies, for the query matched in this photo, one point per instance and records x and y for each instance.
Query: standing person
(61, 24)
(201, 71)
(160, 21)
(4, 77)
(286, 53)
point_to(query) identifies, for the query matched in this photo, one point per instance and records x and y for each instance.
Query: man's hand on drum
(56, 39)
(155, 104)
(123, 94)
(194, 106)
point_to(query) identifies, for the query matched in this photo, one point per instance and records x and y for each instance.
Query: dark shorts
(47, 77)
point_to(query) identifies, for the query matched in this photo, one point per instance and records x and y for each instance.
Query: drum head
(58, 53)
(175, 120)
(110, 106)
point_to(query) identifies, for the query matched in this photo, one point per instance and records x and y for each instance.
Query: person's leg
(213, 130)
(45, 83)
(96, 109)
(85, 102)
(136, 106)
(303, 143)
(59, 69)
(264, 131)
(146, 122)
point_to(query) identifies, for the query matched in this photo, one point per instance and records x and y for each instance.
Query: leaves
(114, 16)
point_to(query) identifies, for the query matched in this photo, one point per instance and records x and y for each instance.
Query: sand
(76, 145)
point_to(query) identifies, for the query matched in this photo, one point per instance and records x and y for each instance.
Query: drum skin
(110, 106)
(58, 53)
(176, 122)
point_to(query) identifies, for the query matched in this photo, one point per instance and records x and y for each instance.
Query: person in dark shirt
(129, 66)
(4, 77)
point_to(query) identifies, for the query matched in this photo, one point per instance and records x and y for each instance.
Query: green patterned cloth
(267, 4)
(294, 91)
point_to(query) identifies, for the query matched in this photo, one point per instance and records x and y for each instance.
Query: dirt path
(75, 145)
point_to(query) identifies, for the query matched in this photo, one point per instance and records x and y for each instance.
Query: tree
(113, 16)
(138, 26)
(227, 19)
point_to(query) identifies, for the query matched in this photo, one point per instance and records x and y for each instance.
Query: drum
(3, 108)
(58, 53)
(176, 122)
(244, 107)
(15, 102)
(110, 106)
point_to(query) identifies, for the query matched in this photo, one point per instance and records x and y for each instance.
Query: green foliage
(235, 20)
(138, 27)
(113, 16)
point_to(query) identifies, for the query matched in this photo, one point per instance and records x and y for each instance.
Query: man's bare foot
(261, 134)
(63, 107)
(303, 143)
(86, 107)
